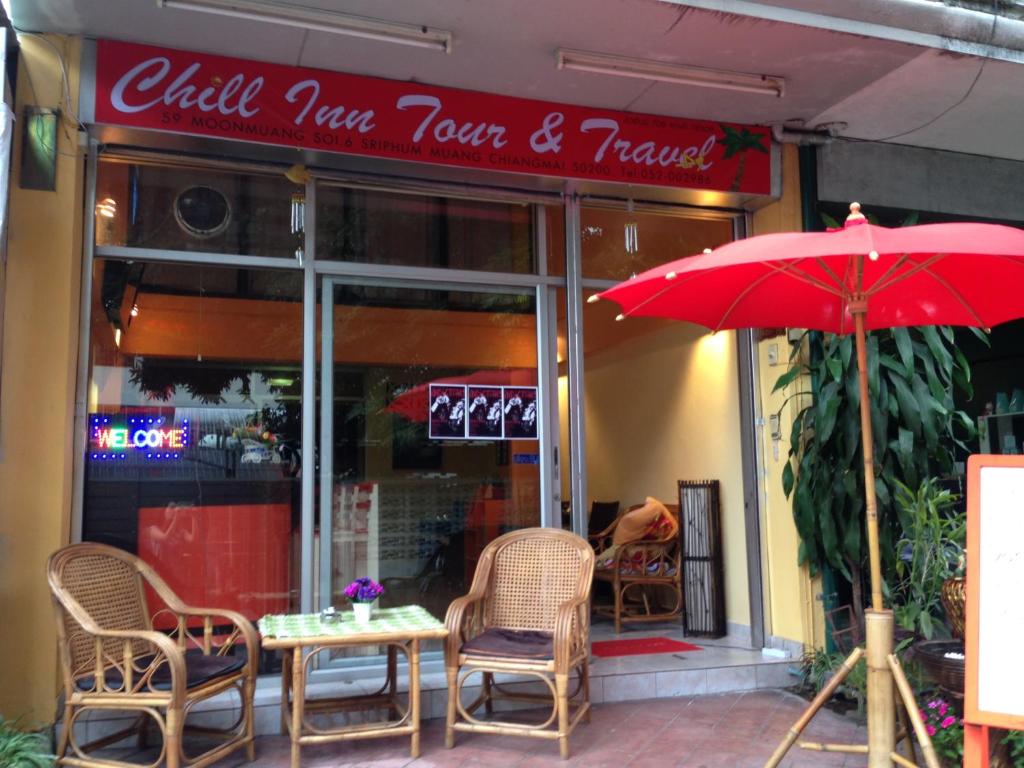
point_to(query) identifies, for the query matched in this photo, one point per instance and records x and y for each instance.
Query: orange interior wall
(271, 331)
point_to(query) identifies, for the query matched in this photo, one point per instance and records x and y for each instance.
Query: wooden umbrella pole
(879, 622)
(858, 308)
(823, 695)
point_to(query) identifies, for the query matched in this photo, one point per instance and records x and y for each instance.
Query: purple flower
(363, 590)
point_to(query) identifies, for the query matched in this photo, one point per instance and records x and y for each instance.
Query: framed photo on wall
(447, 415)
(520, 412)
(485, 414)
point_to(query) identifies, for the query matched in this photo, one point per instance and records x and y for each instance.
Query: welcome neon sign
(114, 437)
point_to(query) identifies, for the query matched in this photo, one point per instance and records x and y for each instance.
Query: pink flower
(930, 728)
(943, 707)
(933, 704)
(948, 721)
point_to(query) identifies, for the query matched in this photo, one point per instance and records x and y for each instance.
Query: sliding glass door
(430, 433)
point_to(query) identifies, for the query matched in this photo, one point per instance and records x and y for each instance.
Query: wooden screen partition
(700, 526)
(995, 613)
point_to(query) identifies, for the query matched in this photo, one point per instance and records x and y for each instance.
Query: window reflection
(195, 209)
(434, 436)
(617, 243)
(194, 406)
(420, 231)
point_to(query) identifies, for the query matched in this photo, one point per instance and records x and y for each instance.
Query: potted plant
(954, 598)
(930, 551)
(916, 427)
(24, 749)
(362, 593)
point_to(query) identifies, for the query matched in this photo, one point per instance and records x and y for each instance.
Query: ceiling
(881, 86)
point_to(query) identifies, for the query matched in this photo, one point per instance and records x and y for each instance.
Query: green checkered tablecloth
(403, 620)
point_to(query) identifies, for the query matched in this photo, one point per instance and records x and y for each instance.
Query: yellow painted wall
(37, 390)
(687, 427)
(790, 606)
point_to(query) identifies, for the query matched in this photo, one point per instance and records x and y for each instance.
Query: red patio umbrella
(847, 280)
(414, 403)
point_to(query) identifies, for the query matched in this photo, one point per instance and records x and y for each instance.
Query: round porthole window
(202, 211)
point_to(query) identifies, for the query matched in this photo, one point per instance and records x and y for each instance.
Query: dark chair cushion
(512, 643)
(199, 669)
(602, 514)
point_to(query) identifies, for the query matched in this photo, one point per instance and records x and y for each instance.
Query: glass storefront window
(363, 225)
(434, 413)
(554, 230)
(194, 401)
(197, 209)
(617, 243)
(647, 381)
(633, 394)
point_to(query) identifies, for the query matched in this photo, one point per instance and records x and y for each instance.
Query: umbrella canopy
(931, 274)
(414, 403)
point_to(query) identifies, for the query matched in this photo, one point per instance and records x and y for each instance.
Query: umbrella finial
(855, 217)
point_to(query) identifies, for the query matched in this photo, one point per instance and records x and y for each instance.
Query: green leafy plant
(22, 749)
(1013, 744)
(817, 667)
(930, 550)
(740, 143)
(912, 373)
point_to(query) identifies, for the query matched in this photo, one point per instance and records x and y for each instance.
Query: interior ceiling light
(645, 69)
(321, 20)
(107, 207)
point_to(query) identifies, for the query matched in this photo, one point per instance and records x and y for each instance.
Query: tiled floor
(718, 731)
(733, 730)
(722, 665)
(717, 707)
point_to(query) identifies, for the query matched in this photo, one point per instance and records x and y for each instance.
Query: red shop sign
(196, 93)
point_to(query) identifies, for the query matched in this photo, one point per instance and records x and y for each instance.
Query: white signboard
(994, 694)
(1000, 604)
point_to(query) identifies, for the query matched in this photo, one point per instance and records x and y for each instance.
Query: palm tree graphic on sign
(739, 142)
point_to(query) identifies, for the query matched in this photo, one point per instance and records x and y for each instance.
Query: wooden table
(302, 636)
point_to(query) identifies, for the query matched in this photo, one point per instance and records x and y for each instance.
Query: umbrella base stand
(885, 677)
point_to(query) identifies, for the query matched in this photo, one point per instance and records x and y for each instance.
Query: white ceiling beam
(924, 23)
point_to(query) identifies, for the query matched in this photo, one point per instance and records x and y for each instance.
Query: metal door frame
(547, 427)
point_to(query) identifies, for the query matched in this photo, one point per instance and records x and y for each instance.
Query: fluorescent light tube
(645, 69)
(321, 21)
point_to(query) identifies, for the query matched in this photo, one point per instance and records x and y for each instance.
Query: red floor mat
(640, 645)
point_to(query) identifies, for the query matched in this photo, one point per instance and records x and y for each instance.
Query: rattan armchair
(112, 659)
(645, 575)
(527, 613)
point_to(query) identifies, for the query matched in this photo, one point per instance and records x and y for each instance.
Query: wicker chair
(645, 576)
(112, 659)
(526, 613)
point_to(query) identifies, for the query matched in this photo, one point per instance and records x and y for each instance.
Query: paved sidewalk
(734, 730)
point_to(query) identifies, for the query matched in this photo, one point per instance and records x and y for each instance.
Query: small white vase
(363, 612)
